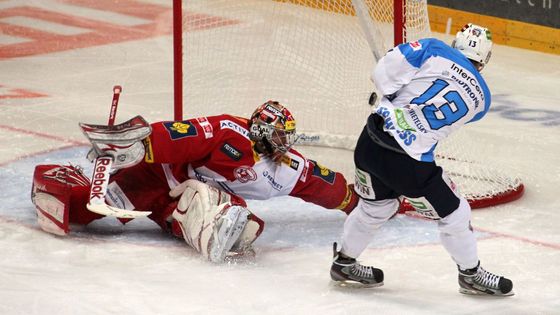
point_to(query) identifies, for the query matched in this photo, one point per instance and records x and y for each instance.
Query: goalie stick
(100, 177)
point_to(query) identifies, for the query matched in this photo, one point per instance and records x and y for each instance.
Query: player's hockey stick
(100, 177)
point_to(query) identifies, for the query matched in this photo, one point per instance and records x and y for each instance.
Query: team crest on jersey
(180, 129)
(231, 151)
(244, 174)
(415, 45)
(323, 173)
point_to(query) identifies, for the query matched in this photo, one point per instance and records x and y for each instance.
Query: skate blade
(247, 255)
(230, 228)
(480, 293)
(354, 284)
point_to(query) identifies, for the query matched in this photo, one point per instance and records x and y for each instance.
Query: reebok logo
(100, 179)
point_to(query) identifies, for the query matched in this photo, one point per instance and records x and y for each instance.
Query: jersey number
(444, 115)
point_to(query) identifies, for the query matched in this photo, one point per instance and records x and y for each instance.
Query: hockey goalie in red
(193, 176)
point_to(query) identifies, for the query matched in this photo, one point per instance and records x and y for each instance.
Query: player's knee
(376, 212)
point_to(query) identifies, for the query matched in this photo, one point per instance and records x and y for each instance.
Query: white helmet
(475, 42)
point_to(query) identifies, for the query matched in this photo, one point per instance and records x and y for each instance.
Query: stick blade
(107, 210)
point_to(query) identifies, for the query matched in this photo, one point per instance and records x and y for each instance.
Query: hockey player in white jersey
(429, 90)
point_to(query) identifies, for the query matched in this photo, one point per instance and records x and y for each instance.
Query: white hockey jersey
(429, 90)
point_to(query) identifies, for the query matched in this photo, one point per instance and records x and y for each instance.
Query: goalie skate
(226, 232)
(347, 272)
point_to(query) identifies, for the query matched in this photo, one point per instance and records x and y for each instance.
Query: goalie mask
(475, 42)
(273, 128)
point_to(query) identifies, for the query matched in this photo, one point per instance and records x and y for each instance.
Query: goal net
(315, 57)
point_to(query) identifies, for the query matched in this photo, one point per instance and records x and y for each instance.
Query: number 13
(447, 115)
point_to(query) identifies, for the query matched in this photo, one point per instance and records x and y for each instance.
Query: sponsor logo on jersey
(416, 120)
(244, 174)
(228, 124)
(206, 127)
(294, 164)
(270, 178)
(323, 173)
(149, 157)
(231, 151)
(415, 45)
(401, 120)
(468, 83)
(180, 129)
(406, 136)
(290, 162)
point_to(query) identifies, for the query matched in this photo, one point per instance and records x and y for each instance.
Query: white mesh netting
(315, 57)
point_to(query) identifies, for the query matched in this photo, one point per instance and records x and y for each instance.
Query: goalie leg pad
(213, 222)
(60, 193)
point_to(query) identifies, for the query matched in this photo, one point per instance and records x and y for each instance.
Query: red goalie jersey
(217, 151)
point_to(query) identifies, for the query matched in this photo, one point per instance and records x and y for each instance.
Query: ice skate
(346, 271)
(477, 281)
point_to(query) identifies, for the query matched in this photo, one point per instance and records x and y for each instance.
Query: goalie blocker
(216, 224)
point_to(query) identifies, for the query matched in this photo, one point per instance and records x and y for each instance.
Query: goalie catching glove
(214, 223)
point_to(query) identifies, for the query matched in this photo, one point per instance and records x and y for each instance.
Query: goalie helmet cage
(315, 57)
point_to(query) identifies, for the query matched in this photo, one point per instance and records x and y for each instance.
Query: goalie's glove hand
(122, 142)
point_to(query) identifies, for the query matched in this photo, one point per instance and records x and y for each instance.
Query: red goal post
(315, 57)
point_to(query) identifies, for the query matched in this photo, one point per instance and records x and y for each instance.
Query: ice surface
(107, 268)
